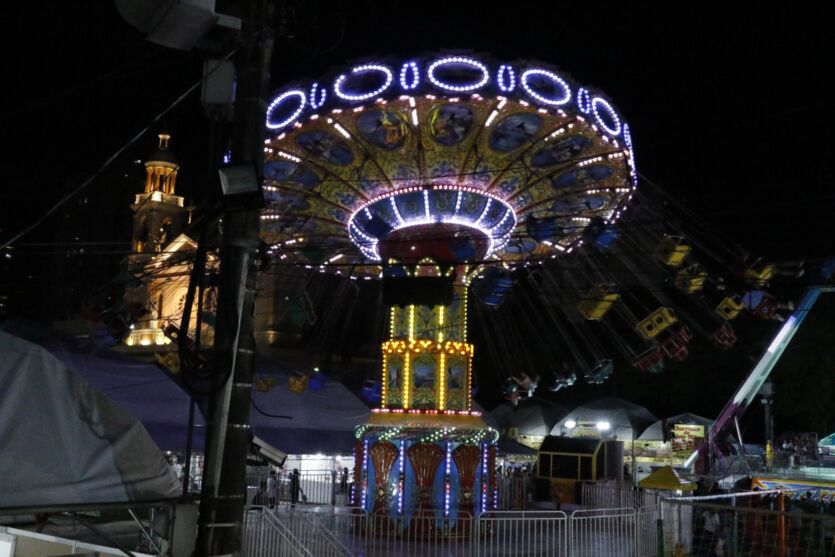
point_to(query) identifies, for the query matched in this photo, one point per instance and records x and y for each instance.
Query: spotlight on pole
(570, 424)
(241, 187)
(603, 426)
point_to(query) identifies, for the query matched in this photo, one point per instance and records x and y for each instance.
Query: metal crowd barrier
(512, 491)
(616, 495)
(755, 527)
(265, 534)
(350, 532)
(316, 488)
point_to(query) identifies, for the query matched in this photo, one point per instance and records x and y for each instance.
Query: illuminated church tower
(161, 251)
(159, 214)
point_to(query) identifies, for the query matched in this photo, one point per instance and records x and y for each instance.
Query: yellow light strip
(464, 317)
(407, 381)
(391, 323)
(385, 380)
(411, 322)
(441, 316)
(468, 396)
(442, 382)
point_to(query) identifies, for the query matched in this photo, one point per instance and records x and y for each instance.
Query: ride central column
(427, 361)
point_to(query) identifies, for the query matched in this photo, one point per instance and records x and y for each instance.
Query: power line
(61, 202)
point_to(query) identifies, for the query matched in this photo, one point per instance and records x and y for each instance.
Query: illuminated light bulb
(584, 100)
(342, 130)
(506, 78)
(409, 69)
(294, 116)
(472, 62)
(288, 156)
(598, 105)
(365, 68)
(316, 102)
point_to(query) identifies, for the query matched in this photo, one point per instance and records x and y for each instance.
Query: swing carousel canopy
(442, 157)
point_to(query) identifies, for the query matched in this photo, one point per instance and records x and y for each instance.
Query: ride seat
(598, 301)
(672, 250)
(759, 275)
(766, 309)
(675, 349)
(652, 360)
(724, 337)
(730, 307)
(656, 322)
(691, 279)
(298, 383)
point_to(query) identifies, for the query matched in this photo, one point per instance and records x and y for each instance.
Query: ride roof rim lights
(494, 74)
(369, 244)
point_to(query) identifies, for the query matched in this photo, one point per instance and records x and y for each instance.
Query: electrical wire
(60, 203)
(267, 414)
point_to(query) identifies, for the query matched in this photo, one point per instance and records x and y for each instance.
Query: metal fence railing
(422, 534)
(742, 524)
(512, 492)
(350, 532)
(34, 543)
(616, 495)
(782, 465)
(599, 532)
(529, 533)
(748, 527)
(265, 534)
(314, 488)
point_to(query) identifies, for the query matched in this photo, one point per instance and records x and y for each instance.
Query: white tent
(64, 442)
(531, 417)
(655, 432)
(610, 417)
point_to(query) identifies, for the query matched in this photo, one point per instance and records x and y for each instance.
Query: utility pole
(767, 399)
(223, 496)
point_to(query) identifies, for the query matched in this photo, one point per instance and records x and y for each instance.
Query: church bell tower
(159, 214)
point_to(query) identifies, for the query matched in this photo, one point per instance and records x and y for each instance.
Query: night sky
(731, 113)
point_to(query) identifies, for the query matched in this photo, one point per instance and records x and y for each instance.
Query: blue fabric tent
(320, 421)
(142, 389)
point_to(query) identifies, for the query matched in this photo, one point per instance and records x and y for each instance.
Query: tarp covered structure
(142, 389)
(317, 421)
(655, 432)
(626, 420)
(65, 443)
(510, 447)
(320, 421)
